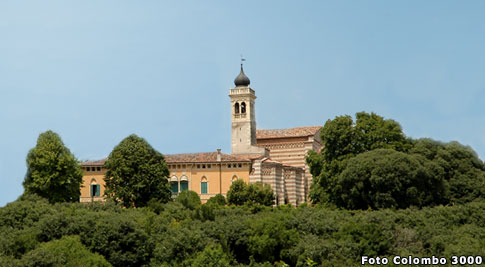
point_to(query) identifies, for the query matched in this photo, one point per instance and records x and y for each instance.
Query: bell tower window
(236, 108)
(243, 107)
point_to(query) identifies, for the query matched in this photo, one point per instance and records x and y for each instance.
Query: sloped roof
(273, 162)
(93, 162)
(207, 157)
(191, 158)
(289, 132)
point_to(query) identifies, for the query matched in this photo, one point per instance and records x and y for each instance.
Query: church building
(275, 157)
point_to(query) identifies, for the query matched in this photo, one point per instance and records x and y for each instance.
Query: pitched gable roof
(289, 132)
(207, 157)
(93, 162)
(191, 158)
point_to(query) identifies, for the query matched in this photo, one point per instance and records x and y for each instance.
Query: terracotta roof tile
(93, 162)
(289, 132)
(273, 162)
(191, 157)
(207, 157)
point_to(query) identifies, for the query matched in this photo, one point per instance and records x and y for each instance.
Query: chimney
(219, 154)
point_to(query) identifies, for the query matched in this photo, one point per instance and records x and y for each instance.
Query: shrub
(189, 199)
(67, 251)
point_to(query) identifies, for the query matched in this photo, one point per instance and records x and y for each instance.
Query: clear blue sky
(97, 71)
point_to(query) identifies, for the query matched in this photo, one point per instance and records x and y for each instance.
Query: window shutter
(98, 187)
(203, 187)
(184, 185)
(175, 187)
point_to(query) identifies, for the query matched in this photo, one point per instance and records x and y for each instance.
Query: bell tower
(243, 117)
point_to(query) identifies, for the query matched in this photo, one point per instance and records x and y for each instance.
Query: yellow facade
(93, 175)
(218, 176)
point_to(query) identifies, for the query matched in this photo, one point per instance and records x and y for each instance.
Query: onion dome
(241, 79)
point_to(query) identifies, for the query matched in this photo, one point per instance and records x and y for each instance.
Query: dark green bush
(178, 236)
(189, 199)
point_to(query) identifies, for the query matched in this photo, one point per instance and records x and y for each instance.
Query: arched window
(236, 108)
(234, 178)
(203, 185)
(95, 188)
(174, 184)
(184, 183)
(243, 107)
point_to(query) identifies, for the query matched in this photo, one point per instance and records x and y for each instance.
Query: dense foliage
(255, 193)
(52, 170)
(389, 190)
(36, 233)
(136, 173)
(189, 199)
(371, 164)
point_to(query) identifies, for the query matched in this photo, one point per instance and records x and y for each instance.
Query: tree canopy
(372, 164)
(255, 193)
(385, 178)
(52, 170)
(136, 173)
(189, 199)
(36, 233)
(67, 251)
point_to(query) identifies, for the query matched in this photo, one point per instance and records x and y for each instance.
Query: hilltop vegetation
(370, 163)
(137, 173)
(52, 170)
(36, 233)
(375, 193)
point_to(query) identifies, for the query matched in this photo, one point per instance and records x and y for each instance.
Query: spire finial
(242, 79)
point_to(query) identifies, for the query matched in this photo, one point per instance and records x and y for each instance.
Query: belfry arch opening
(236, 108)
(243, 107)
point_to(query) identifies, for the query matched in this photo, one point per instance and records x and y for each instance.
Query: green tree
(259, 193)
(342, 139)
(461, 166)
(269, 238)
(136, 173)
(189, 199)
(211, 256)
(385, 178)
(256, 193)
(67, 251)
(117, 237)
(448, 172)
(218, 200)
(237, 194)
(208, 210)
(52, 170)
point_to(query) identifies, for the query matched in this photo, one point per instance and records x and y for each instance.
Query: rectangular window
(203, 166)
(184, 186)
(174, 187)
(240, 165)
(95, 190)
(203, 187)
(229, 165)
(198, 166)
(98, 169)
